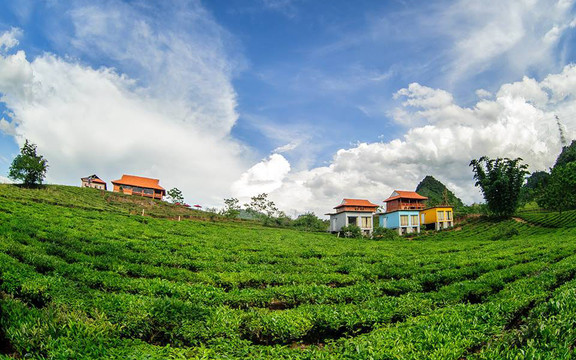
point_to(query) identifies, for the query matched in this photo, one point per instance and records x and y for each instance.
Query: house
(137, 185)
(353, 212)
(93, 181)
(402, 211)
(437, 217)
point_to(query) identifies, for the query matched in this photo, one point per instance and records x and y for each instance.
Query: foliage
(310, 222)
(82, 278)
(535, 184)
(261, 207)
(500, 181)
(567, 155)
(382, 233)
(560, 192)
(351, 231)
(175, 196)
(437, 193)
(28, 166)
(231, 208)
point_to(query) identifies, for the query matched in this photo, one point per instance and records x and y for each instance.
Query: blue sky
(310, 101)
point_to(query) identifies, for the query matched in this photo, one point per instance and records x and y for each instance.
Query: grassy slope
(81, 275)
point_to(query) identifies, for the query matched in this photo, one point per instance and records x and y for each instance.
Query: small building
(437, 217)
(402, 211)
(138, 185)
(93, 181)
(357, 212)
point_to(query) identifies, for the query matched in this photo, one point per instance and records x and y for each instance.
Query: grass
(84, 275)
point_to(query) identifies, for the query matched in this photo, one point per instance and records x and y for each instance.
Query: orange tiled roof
(355, 202)
(406, 195)
(93, 178)
(139, 181)
(98, 181)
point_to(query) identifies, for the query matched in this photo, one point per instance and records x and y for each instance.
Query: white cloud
(483, 94)
(5, 180)
(514, 36)
(9, 39)
(518, 122)
(264, 177)
(171, 121)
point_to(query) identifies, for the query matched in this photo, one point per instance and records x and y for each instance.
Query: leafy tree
(231, 208)
(560, 193)
(310, 222)
(28, 167)
(261, 207)
(567, 155)
(176, 196)
(535, 185)
(500, 181)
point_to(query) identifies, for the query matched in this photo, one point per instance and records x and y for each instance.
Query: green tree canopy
(175, 195)
(28, 166)
(231, 208)
(500, 181)
(560, 193)
(567, 155)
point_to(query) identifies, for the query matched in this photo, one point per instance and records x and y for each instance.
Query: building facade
(403, 211)
(138, 185)
(437, 217)
(93, 181)
(357, 212)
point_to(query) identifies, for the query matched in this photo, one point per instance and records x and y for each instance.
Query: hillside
(84, 276)
(437, 193)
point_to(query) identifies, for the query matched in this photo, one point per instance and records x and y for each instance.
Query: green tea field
(83, 275)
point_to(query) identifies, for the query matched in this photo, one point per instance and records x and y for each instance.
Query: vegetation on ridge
(83, 275)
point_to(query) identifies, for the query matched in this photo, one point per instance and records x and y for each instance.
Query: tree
(567, 155)
(310, 222)
(500, 181)
(560, 192)
(231, 208)
(175, 196)
(535, 185)
(28, 167)
(261, 207)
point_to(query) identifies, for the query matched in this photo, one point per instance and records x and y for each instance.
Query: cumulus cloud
(9, 39)
(5, 180)
(518, 122)
(266, 176)
(169, 118)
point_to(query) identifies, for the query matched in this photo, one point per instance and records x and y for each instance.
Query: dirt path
(520, 220)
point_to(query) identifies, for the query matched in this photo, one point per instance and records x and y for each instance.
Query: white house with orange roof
(357, 212)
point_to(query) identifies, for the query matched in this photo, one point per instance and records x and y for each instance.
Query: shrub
(382, 233)
(351, 231)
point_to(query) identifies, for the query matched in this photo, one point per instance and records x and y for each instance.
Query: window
(448, 215)
(403, 220)
(413, 220)
(440, 215)
(366, 222)
(352, 220)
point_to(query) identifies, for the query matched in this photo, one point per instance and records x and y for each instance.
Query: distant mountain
(437, 193)
(567, 155)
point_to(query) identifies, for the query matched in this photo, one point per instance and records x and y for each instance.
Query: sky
(309, 101)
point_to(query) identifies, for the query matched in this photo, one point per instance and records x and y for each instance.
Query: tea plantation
(83, 275)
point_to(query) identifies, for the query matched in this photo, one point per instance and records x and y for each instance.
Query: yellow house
(441, 217)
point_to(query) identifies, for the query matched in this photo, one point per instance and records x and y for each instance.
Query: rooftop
(139, 181)
(401, 194)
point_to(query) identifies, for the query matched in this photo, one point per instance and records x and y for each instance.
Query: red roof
(356, 202)
(139, 181)
(98, 181)
(401, 194)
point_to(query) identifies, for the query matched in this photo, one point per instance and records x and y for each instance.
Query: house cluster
(405, 211)
(128, 184)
